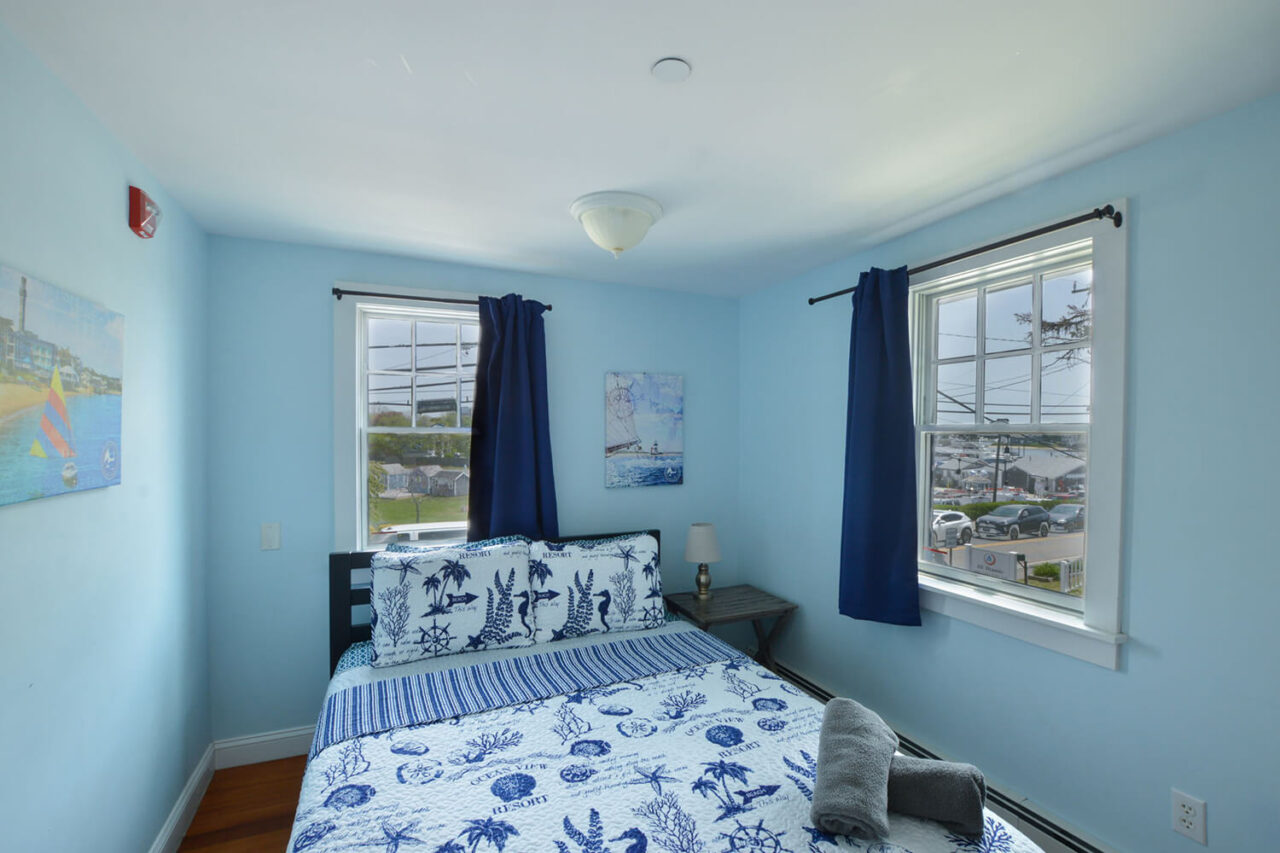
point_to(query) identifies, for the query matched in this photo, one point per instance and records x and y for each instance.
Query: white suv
(944, 520)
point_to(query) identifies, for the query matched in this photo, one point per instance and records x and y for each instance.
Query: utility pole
(995, 480)
(995, 484)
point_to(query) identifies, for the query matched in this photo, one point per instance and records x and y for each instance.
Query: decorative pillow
(449, 600)
(590, 586)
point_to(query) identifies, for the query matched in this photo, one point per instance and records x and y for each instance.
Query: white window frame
(350, 392)
(1095, 633)
(927, 296)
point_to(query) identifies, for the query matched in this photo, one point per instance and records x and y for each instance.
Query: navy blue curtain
(878, 548)
(512, 488)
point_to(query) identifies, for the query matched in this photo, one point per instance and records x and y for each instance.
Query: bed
(663, 740)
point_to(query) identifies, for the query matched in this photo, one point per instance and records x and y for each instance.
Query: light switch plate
(271, 536)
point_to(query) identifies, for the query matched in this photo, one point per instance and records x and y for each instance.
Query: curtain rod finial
(1109, 212)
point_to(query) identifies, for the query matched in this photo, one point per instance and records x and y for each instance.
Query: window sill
(1046, 627)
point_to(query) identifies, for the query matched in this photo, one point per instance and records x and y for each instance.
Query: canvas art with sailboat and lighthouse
(61, 363)
(644, 430)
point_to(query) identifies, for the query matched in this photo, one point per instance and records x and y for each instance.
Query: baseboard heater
(1058, 833)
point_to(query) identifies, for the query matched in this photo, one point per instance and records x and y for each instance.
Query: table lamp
(702, 548)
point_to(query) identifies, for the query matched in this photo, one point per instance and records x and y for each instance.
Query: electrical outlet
(1189, 816)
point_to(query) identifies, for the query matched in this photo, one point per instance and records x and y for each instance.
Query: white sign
(995, 564)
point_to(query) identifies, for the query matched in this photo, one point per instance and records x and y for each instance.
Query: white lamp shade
(616, 221)
(702, 546)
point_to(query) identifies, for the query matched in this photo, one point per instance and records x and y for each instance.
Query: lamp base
(704, 582)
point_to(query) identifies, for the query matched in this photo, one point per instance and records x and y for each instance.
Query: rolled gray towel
(950, 793)
(851, 787)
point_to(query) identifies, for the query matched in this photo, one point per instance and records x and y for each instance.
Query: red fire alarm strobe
(144, 214)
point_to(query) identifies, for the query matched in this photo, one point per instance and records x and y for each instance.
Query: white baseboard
(268, 746)
(231, 752)
(175, 826)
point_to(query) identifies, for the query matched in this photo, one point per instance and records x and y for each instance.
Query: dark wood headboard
(344, 594)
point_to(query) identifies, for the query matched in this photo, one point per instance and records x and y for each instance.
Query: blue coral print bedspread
(694, 749)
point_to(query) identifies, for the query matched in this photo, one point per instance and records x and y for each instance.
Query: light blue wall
(115, 685)
(1195, 702)
(104, 699)
(271, 443)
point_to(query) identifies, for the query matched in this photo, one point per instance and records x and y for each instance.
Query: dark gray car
(1013, 520)
(1067, 517)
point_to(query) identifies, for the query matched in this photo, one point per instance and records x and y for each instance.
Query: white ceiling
(462, 130)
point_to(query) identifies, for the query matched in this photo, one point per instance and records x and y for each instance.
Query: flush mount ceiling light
(616, 221)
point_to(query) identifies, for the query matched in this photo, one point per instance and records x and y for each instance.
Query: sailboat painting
(61, 366)
(644, 430)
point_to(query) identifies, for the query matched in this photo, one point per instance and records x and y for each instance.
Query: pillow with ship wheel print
(449, 600)
(595, 586)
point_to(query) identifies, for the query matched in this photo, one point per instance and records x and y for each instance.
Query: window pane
(387, 344)
(417, 487)
(1009, 489)
(1007, 390)
(470, 345)
(436, 399)
(389, 400)
(1064, 386)
(437, 345)
(1008, 318)
(957, 395)
(957, 327)
(1066, 310)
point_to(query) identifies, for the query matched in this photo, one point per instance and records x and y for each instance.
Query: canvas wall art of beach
(644, 430)
(61, 388)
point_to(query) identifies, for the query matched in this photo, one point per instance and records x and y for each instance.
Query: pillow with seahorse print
(595, 586)
(450, 600)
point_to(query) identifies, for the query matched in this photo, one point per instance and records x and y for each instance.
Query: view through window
(419, 390)
(1004, 438)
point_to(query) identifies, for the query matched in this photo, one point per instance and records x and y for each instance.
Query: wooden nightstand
(736, 604)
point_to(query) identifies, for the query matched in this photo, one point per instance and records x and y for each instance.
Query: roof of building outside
(1051, 467)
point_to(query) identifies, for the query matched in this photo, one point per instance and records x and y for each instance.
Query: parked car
(1013, 520)
(1067, 517)
(944, 520)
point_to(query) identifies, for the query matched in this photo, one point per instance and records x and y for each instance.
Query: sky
(92, 332)
(659, 401)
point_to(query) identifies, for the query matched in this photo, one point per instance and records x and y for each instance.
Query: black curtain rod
(339, 292)
(1108, 212)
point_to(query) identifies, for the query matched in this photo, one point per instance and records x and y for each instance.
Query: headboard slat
(343, 594)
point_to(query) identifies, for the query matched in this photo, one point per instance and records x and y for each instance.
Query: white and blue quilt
(668, 741)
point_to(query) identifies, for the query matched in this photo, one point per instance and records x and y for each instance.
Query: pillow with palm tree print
(595, 586)
(449, 600)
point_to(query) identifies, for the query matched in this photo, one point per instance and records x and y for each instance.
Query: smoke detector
(671, 69)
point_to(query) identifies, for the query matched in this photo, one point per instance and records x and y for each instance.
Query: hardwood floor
(248, 809)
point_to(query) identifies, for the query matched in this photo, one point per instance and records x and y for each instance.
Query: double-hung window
(1019, 371)
(410, 402)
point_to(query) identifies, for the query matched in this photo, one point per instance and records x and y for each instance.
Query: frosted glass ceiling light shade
(616, 221)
